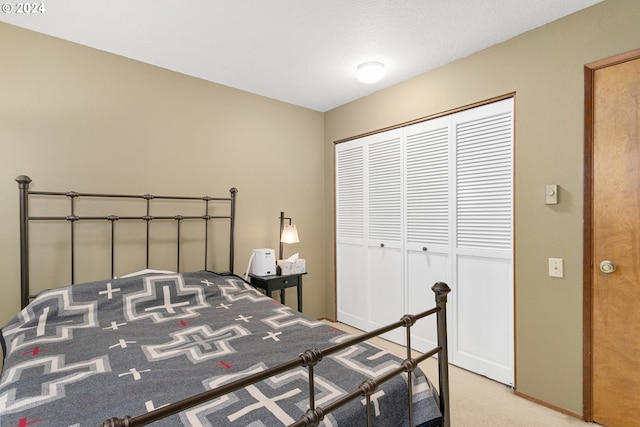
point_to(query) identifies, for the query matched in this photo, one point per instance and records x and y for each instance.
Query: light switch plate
(555, 267)
(551, 194)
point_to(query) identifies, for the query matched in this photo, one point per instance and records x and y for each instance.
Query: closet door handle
(424, 249)
(382, 245)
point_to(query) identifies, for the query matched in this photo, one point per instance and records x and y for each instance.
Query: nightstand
(279, 283)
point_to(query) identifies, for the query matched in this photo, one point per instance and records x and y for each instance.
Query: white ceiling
(303, 52)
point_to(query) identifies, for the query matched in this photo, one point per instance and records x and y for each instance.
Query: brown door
(615, 243)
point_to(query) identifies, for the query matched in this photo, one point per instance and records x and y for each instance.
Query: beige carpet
(477, 401)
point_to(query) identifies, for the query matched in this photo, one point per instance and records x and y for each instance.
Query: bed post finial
(23, 184)
(441, 290)
(23, 180)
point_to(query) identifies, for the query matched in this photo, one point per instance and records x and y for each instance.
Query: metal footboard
(312, 357)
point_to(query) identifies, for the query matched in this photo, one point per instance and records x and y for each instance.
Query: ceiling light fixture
(370, 72)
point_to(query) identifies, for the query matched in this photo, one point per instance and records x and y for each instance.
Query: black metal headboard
(72, 218)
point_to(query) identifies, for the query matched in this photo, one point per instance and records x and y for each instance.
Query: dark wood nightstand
(279, 283)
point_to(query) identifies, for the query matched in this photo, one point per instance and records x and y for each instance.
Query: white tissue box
(291, 267)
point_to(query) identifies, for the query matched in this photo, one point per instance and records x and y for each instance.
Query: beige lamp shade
(289, 234)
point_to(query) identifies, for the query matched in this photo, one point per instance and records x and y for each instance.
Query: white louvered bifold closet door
(427, 199)
(430, 202)
(385, 213)
(483, 332)
(350, 234)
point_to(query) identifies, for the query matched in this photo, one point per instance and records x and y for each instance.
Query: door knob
(607, 266)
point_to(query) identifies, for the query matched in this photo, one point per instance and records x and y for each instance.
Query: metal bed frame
(307, 359)
(72, 218)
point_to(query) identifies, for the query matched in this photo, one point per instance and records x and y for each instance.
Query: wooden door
(615, 273)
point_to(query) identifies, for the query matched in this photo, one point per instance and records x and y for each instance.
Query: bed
(198, 348)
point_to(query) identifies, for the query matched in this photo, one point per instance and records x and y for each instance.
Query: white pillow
(147, 271)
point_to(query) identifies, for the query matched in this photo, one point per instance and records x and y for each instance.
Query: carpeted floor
(480, 402)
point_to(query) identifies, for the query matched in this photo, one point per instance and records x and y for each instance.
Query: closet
(432, 201)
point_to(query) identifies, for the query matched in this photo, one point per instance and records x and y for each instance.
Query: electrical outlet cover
(555, 267)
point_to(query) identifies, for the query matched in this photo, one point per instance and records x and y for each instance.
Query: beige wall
(544, 68)
(75, 118)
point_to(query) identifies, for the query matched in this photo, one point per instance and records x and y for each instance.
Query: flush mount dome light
(370, 72)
